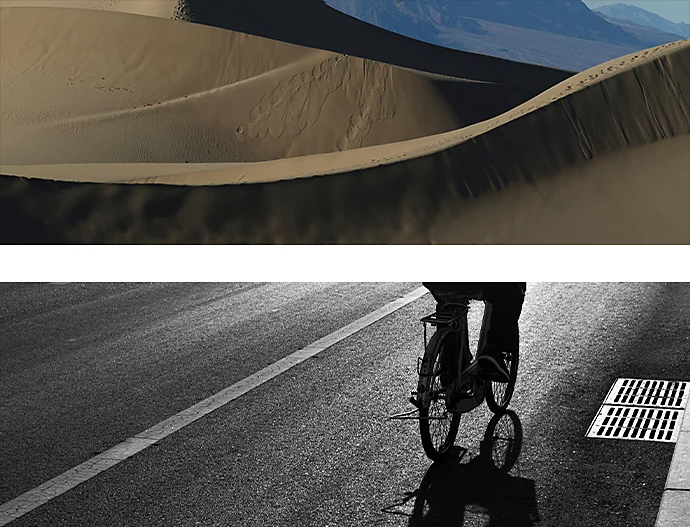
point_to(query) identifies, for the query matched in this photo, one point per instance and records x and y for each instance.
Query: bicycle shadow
(478, 491)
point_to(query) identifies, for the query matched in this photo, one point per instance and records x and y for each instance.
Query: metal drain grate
(643, 424)
(643, 410)
(641, 392)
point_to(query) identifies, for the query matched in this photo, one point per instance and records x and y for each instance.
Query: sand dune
(339, 148)
(231, 97)
(155, 8)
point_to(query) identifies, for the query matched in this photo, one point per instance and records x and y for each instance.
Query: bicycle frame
(467, 364)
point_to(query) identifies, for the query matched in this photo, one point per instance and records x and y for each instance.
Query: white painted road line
(34, 498)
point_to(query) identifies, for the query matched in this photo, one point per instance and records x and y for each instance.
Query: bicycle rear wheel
(437, 426)
(498, 394)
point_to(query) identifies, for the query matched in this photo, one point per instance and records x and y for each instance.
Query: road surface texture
(84, 367)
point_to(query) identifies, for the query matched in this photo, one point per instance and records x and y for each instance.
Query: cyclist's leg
(506, 306)
(503, 336)
(506, 302)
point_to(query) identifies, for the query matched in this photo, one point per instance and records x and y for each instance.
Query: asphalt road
(86, 366)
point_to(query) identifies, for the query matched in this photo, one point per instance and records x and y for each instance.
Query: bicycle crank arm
(410, 415)
(469, 372)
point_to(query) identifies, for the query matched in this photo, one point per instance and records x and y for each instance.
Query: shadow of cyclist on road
(456, 492)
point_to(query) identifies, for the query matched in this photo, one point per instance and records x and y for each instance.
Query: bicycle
(450, 368)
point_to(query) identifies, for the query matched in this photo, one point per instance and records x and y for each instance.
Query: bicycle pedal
(406, 415)
(458, 397)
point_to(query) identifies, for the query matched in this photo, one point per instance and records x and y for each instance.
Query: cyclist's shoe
(492, 366)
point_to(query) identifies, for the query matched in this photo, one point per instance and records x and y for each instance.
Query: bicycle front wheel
(437, 426)
(498, 394)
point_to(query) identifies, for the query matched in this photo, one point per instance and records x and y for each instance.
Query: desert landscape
(138, 121)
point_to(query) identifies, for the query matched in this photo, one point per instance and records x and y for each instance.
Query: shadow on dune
(18, 228)
(314, 24)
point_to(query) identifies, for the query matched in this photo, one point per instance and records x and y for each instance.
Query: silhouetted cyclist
(506, 300)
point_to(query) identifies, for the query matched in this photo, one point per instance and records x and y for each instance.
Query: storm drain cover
(644, 392)
(642, 409)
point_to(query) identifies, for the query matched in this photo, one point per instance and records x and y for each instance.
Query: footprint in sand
(297, 103)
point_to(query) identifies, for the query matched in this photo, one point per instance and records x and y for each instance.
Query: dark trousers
(506, 300)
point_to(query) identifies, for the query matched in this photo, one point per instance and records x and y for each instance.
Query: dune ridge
(305, 145)
(635, 196)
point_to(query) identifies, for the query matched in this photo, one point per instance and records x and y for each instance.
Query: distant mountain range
(647, 35)
(642, 17)
(560, 33)
(569, 18)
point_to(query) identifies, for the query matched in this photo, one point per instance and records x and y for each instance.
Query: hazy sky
(673, 10)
